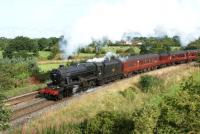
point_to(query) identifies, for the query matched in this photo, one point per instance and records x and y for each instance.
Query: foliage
(47, 44)
(4, 114)
(131, 51)
(3, 43)
(147, 82)
(42, 76)
(145, 119)
(198, 57)
(158, 45)
(88, 49)
(54, 51)
(42, 43)
(21, 47)
(14, 71)
(120, 51)
(129, 93)
(180, 113)
(108, 123)
(194, 44)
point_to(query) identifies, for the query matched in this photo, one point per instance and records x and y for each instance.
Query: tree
(131, 51)
(3, 43)
(194, 44)
(21, 47)
(43, 44)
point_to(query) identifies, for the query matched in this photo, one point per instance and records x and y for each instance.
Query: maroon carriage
(178, 57)
(135, 64)
(192, 55)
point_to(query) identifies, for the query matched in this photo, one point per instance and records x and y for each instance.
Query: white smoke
(144, 17)
(107, 56)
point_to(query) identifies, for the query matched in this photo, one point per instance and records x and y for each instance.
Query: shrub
(131, 51)
(108, 123)
(129, 93)
(42, 76)
(180, 114)
(4, 114)
(14, 72)
(148, 82)
(145, 119)
(120, 51)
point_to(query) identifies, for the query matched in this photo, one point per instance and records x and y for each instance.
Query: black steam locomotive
(79, 77)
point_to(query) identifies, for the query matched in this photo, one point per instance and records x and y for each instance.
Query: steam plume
(144, 17)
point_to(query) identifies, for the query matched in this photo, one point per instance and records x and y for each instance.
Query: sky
(82, 21)
(42, 18)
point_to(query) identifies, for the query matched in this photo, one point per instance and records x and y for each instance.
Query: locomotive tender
(80, 77)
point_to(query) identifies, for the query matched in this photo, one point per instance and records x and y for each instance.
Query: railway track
(31, 107)
(19, 99)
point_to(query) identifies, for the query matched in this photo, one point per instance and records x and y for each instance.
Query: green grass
(115, 48)
(86, 55)
(48, 67)
(43, 55)
(22, 90)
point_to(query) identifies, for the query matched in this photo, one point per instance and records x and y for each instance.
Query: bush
(129, 93)
(14, 72)
(131, 51)
(145, 119)
(176, 114)
(180, 113)
(120, 51)
(42, 76)
(148, 82)
(4, 114)
(108, 123)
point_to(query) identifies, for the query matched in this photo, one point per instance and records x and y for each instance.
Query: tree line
(27, 47)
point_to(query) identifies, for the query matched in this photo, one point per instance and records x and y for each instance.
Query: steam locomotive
(67, 81)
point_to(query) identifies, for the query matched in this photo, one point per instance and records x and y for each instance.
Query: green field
(43, 55)
(48, 67)
(115, 48)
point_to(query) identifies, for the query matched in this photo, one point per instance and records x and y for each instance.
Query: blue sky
(42, 18)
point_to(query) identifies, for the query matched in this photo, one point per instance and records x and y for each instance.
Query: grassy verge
(22, 90)
(48, 67)
(109, 98)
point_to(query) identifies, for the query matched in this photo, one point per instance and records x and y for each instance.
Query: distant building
(135, 43)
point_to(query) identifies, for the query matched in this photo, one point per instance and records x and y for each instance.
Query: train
(67, 81)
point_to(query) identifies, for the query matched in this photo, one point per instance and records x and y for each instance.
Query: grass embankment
(110, 98)
(22, 90)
